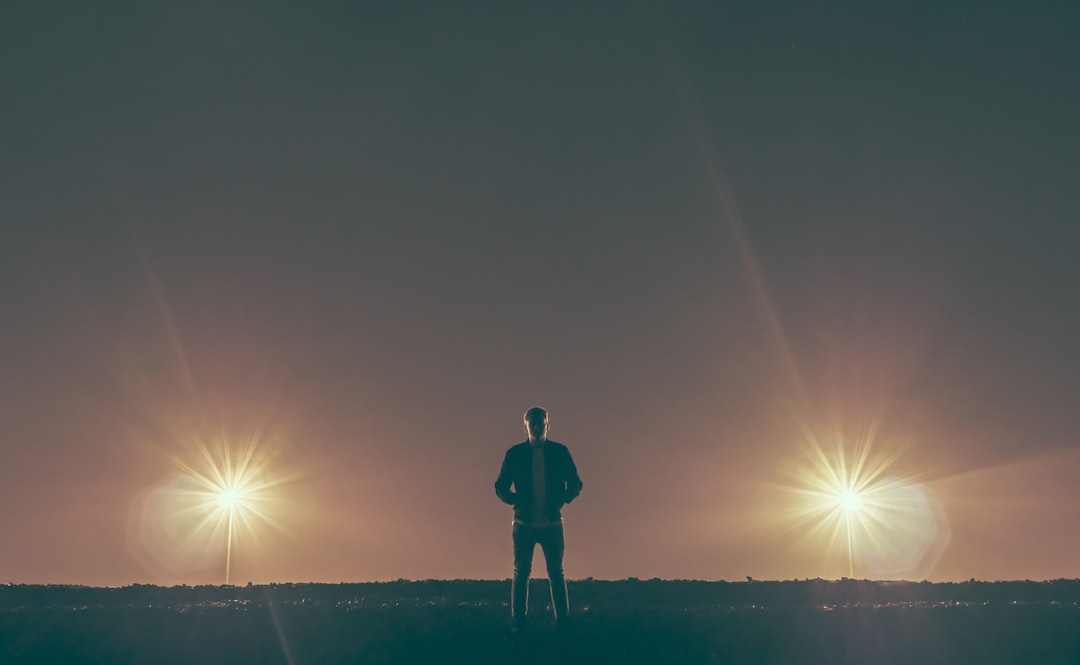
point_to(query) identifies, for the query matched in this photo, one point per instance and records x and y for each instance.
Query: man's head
(536, 424)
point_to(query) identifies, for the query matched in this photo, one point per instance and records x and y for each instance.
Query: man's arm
(573, 480)
(502, 484)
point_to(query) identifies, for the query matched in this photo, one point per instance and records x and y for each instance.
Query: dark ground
(655, 621)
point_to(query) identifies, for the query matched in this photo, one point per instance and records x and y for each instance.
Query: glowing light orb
(850, 501)
(218, 494)
(853, 503)
(229, 498)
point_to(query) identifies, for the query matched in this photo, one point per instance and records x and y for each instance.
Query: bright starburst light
(854, 502)
(229, 498)
(228, 492)
(850, 501)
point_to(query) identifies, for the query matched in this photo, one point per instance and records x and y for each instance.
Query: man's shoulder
(525, 446)
(558, 446)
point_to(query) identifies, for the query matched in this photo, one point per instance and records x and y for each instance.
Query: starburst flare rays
(221, 493)
(852, 502)
(231, 492)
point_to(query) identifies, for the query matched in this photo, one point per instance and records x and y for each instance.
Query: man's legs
(553, 543)
(524, 544)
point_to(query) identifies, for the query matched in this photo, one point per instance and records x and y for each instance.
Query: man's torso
(539, 476)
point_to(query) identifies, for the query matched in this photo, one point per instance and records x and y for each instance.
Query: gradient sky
(378, 236)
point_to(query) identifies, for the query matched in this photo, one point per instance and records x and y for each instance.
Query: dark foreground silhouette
(813, 621)
(538, 477)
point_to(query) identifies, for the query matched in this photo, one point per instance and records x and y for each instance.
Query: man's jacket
(562, 484)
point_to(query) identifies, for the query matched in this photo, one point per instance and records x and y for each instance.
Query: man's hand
(502, 484)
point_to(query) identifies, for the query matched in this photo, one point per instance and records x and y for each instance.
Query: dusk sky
(696, 236)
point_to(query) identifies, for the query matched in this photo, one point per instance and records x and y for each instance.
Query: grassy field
(630, 621)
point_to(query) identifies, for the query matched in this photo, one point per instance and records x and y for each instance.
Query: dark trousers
(551, 541)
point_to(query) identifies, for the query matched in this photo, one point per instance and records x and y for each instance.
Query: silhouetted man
(544, 479)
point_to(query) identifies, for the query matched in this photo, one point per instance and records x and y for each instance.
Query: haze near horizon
(370, 239)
